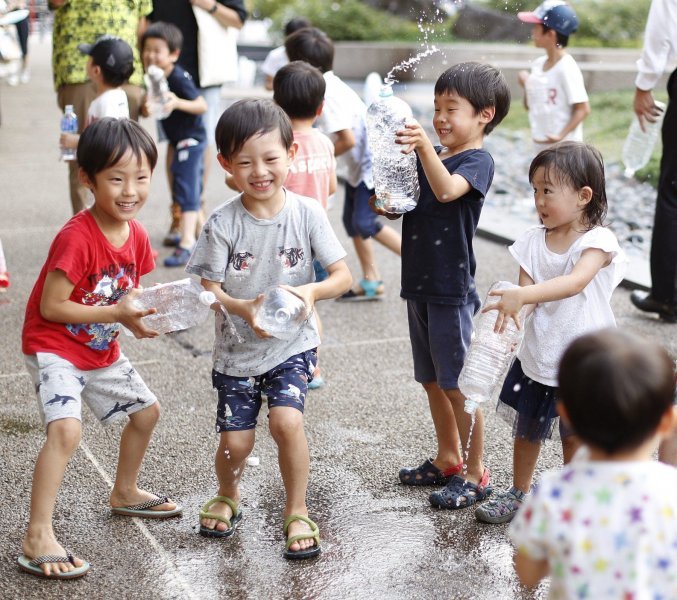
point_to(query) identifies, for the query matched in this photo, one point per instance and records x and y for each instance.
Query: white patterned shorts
(112, 392)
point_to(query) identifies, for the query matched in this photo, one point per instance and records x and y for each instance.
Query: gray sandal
(502, 507)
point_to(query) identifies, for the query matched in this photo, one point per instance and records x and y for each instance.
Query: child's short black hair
(299, 88)
(577, 165)
(295, 24)
(615, 388)
(104, 142)
(482, 85)
(247, 118)
(313, 46)
(562, 40)
(168, 32)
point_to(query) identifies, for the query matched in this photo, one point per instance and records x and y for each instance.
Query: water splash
(405, 65)
(466, 452)
(425, 26)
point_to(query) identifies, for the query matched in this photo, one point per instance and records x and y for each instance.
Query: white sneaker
(13, 79)
(25, 76)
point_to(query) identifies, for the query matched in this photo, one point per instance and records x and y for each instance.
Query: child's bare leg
(524, 457)
(63, 438)
(464, 422)
(188, 227)
(446, 430)
(570, 444)
(286, 427)
(229, 462)
(365, 254)
(133, 444)
(390, 239)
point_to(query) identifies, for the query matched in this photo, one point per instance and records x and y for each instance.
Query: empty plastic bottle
(69, 124)
(179, 305)
(157, 86)
(395, 177)
(489, 354)
(639, 144)
(281, 314)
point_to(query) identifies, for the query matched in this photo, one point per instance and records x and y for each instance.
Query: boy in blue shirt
(160, 46)
(438, 268)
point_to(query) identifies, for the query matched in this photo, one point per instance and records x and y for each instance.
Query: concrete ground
(380, 539)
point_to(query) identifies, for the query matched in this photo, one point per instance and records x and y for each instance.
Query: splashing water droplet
(517, 387)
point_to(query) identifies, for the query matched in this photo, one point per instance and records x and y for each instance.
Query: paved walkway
(380, 540)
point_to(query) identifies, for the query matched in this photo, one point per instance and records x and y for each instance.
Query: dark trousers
(663, 257)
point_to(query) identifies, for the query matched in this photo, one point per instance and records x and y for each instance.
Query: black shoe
(646, 303)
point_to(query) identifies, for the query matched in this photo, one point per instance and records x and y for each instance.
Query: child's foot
(223, 510)
(123, 501)
(35, 546)
(502, 507)
(303, 537)
(296, 528)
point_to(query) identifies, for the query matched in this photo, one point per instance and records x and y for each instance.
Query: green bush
(609, 23)
(344, 19)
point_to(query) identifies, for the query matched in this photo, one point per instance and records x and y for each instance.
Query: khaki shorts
(112, 392)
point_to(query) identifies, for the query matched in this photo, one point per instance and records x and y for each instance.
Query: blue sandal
(428, 474)
(460, 493)
(367, 290)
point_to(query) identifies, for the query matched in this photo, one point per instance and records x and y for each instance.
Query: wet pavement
(380, 539)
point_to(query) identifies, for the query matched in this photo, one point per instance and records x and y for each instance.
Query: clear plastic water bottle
(395, 177)
(489, 354)
(639, 144)
(281, 314)
(179, 305)
(69, 124)
(157, 86)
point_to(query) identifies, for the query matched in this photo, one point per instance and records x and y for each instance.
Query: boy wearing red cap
(555, 92)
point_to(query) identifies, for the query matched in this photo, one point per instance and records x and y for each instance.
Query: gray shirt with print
(247, 255)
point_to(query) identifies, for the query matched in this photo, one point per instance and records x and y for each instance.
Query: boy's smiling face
(260, 169)
(156, 52)
(456, 123)
(119, 190)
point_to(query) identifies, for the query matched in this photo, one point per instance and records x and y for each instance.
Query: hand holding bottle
(130, 316)
(508, 305)
(646, 108)
(413, 136)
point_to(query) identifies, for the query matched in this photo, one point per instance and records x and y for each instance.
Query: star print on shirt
(636, 515)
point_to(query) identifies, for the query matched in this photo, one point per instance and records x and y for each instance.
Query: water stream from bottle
(424, 25)
(466, 452)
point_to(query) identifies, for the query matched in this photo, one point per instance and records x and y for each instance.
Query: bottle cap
(386, 91)
(470, 406)
(207, 298)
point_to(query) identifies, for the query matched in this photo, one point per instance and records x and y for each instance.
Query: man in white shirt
(660, 45)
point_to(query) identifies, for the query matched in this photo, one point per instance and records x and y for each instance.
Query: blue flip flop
(143, 510)
(32, 566)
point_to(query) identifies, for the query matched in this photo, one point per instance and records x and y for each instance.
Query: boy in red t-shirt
(69, 339)
(298, 89)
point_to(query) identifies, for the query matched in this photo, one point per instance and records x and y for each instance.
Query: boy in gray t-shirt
(264, 237)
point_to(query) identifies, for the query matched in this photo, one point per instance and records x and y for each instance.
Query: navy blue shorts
(440, 335)
(187, 167)
(533, 404)
(240, 398)
(358, 218)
